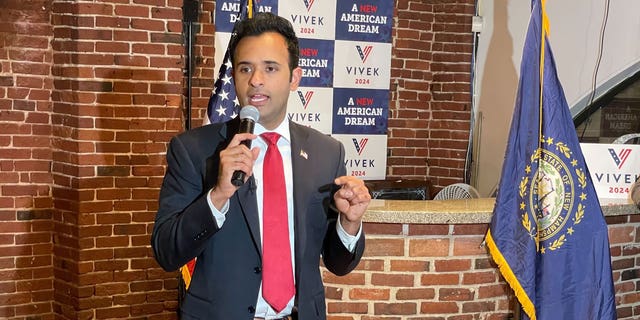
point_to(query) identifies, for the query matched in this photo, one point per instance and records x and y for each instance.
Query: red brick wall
(624, 236)
(444, 272)
(117, 99)
(26, 273)
(90, 93)
(429, 118)
(421, 272)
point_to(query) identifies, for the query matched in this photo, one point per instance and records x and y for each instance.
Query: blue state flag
(548, 234)
(223, 103)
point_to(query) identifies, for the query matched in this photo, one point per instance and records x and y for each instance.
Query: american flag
(223, 103)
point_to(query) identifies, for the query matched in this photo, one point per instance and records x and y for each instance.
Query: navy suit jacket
(228, 273)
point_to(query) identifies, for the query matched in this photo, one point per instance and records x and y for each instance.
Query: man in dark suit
(202, 214)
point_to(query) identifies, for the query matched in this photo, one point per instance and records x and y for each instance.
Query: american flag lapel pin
(304, 154)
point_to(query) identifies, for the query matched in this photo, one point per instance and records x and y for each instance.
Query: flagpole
(187, 120)
(189, 16)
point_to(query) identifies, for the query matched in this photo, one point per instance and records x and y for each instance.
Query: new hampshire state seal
(552, 194)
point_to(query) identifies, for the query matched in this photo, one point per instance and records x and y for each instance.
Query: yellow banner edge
(511, 278)
(186, 276)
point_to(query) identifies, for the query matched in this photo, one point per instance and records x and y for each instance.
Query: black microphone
(249, 115)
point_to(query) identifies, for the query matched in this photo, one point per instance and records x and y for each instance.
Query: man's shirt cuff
(219, 215)
(348, 240)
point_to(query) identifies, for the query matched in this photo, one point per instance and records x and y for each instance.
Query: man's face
(262, 76)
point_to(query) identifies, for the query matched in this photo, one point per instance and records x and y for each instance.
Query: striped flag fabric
(223, 103)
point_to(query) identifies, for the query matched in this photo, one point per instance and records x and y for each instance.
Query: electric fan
(457, 191)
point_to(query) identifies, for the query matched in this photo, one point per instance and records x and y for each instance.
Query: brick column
(430, 108)
(117, 99)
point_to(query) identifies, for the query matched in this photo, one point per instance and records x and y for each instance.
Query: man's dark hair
(267, 22)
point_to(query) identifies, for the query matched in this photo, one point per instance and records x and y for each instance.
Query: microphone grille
(250, 112)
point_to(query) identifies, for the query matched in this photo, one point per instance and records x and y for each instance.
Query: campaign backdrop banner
(307, 106)
(613, 167)
(364, 157)
(345, 55)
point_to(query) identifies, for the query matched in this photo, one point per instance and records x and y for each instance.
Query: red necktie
(277, 273)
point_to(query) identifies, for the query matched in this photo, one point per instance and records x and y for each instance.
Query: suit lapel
(300, 165)
(245, 196)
